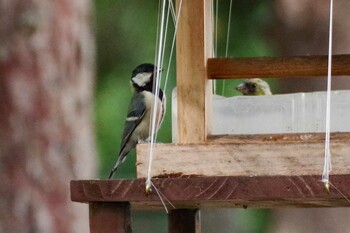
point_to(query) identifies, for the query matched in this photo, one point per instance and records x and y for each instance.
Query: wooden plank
(276, 67)
(261, 156)
(275, 138)
(209, 192)
(184, 221)
(193, 47)
(110, 217)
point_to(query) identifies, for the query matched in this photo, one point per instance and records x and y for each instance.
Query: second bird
(254, 86)
(137, 122)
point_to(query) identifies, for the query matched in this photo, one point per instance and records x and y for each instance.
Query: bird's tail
(120, 160)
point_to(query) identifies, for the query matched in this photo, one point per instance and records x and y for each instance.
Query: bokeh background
(64, 91)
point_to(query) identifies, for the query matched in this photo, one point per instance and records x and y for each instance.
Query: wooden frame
(193, 87)
(189, 189)
(276, 67)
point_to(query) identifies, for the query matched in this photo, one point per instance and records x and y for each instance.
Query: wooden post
(193, 48)
(184, 221)
(110, 217)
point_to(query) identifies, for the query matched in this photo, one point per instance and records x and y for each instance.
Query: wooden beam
(276, 138)
(276, 67)
(193, 47)
(210, 192)
(284, 154)
(184, 221)
(110, 217)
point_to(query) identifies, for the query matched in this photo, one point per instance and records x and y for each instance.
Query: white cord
(216, 27)
(227, 42)
(157, 33)
(154, 110)
(172, 47)
(165, 36)
(327, 155)
(172, 11)
(215, 35)
(228, 29)
(159, 62)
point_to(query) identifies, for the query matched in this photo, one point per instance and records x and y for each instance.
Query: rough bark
(302, 28)
(46, 78)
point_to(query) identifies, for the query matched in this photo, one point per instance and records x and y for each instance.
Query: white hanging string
(327, 155)
(159, 59)
(156, 87)
(215, 35)
(227, 41)
(171, 53)
(172, 8)
(159, 54)
(165, 37)
(172, 47)
(228, 29)
(216, 27)
(157, 33)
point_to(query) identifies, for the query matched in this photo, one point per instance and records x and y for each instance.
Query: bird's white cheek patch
(142, 79)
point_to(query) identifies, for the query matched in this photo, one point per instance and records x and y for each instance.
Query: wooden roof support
(276, 67)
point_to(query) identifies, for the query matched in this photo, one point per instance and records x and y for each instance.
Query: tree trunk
(301, 29)
(46, 136)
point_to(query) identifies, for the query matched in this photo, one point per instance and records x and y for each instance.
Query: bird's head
(142, 77)
(254, 86)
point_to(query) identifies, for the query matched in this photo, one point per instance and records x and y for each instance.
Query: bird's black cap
(143, 68)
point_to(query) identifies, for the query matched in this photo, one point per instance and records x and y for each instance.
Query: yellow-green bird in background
(254, 86)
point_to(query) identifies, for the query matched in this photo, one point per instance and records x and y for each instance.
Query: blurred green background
(126, 36)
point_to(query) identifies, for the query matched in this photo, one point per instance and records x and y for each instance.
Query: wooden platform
(206, 192)
(246, 156)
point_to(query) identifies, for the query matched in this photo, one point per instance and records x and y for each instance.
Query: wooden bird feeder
(201, 170)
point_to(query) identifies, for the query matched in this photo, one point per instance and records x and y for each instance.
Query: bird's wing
(136, 112)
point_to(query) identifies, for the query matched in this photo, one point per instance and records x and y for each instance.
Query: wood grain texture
(108, 217)
(193, 47)
(275, 138)
(287, 155)
(209, 192)
(276, 67)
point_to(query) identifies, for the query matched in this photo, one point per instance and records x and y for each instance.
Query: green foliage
(252, 220)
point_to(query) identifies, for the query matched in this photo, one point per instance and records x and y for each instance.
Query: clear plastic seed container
(288, 113)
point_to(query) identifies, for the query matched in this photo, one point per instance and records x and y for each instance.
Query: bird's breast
(143, 130)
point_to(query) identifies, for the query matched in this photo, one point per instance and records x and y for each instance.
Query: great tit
(137, 123)
(254, 86)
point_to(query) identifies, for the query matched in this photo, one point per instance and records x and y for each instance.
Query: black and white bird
(137, 124)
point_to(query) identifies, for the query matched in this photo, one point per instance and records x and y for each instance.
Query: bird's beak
(241, 88)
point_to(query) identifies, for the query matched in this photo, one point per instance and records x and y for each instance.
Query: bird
(137, 122)
(254, 86)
